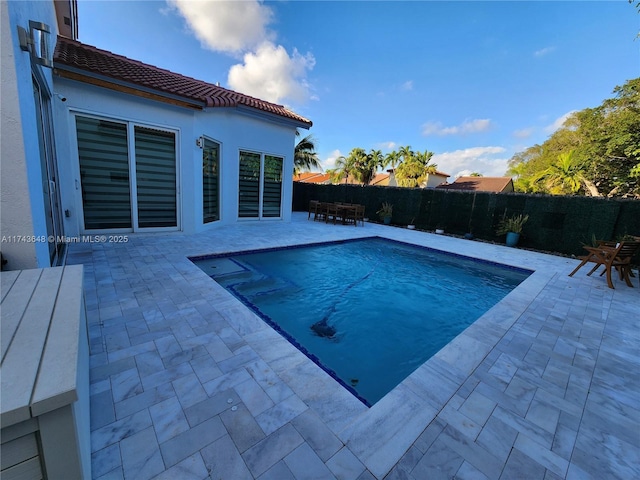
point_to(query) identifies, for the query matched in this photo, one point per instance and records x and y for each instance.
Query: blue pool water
(367, 311)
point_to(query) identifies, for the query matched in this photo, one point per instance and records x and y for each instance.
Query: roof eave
(274, 117)
(81, 75)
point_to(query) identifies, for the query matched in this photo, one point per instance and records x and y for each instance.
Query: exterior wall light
(37, 42)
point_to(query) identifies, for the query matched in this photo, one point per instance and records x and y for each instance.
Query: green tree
(393, 158)
(304, 155)
(566, 176)
(605, 141)
(342, 170)
(414, 169)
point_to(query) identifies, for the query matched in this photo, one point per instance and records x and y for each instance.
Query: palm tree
(413, 171)
(304, 155)
(566, 176)
(343, 168)
(406, 153)
(393, 159)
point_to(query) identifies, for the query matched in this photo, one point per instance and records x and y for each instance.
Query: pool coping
(379, 435)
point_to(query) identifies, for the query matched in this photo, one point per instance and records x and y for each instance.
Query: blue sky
(473, 82)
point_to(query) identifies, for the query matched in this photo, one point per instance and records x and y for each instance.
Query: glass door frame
(261, 215)
(133, 190)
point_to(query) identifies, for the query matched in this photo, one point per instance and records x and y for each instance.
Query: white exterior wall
(21, 195)
(233, 130)
(434, 180)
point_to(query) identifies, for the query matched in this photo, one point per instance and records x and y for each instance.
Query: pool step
(264, 285)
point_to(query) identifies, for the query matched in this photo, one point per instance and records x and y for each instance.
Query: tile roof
(76, 56)
(381, 179)
(480, 184)
(311, 177)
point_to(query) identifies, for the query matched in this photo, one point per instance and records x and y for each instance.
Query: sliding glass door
(127, 174)
(260, 186)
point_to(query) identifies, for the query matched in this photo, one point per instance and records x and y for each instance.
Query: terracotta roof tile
(311, 177)
(77, 55)
(480, 184)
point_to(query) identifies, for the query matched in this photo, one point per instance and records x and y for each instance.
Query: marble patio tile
(211, 407)
(272, 449)
(520, 465)
(206, 368)
(563, 441)
(116, 474)
(316, 433)
(439, 463)
(191, 468)
(143, 400)
(241, 357)
(344, 465)
(141, 457)
(105, 370)
(184, 356)
(477, 407)
(498, 438)
(149, 363)
(281, 413)
(226, 381)
(120, 429)
(166, 376)
(253, 396)
(543, 415)
(168, 419)
(472, 452)
(469, 472)
(242, 427)
(218, 349)
(105, 460)
(504, 368)
(125, 385)
(463, 424)
(542, 455)
(305, 464)
(223, 460)
(279, 471)
(101, 409)
(190, 441)
(189, 390)
(402, 469)
(524, 427)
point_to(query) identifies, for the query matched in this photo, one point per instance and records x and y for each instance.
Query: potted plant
(512, 227)
(385, 212)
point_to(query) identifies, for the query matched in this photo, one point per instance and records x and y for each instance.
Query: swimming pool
(368, 311)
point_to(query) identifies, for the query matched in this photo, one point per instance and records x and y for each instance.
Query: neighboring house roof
(440, 174)
(480, 184)
(78, 61)
(381, 180)
(311, 177)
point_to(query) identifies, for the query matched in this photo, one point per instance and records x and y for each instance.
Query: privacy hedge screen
(560, 224)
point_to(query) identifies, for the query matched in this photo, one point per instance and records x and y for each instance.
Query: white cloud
(558, 123)
(271, 74)
(330, 162)
(226, 26)
(543, 51)
(386, 145)
(489, 161)
(468, 126)
(523, 133)
(408, 85)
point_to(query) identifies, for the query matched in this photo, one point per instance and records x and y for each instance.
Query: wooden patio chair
(612, 256)
(314, 206)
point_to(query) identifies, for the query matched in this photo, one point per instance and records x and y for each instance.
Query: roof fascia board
(272, 117)
(129, 85)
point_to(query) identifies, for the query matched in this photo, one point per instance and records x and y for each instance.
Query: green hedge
(561, 224)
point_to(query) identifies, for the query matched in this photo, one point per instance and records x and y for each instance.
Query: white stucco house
(99, 143)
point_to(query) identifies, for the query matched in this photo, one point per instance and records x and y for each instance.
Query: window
(210, 181)
(126, 186)
(260, 186)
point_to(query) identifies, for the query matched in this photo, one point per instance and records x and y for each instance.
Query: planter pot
(411, 227)
(512, 239)
(468, 236)
(387, 220)
(439, 231)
